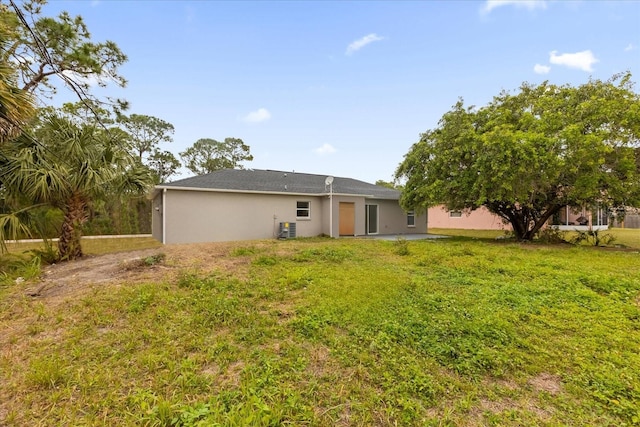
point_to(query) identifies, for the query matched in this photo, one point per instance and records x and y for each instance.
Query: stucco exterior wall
(359, 213)
(205, 216)
(479, 219)
(156, 217)
(208, 216)
(393, 219)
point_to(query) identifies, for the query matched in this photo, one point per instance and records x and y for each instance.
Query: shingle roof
(270, 181)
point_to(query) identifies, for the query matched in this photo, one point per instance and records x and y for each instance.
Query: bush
(594, 237)
(401, 246)
(552, 235)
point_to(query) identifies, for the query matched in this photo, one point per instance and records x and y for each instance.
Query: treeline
(85, 167)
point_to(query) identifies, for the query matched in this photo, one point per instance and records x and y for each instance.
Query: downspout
(331, 211)
(164, 217)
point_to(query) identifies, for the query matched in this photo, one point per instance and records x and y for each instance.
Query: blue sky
(345, 88)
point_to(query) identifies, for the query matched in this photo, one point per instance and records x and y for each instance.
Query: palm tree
(69, 166)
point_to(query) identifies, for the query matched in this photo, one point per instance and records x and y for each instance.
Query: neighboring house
(479, 219)
(253, 204)
(482, 219)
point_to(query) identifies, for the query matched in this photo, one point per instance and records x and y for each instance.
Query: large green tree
(163, 165)
(41, 47)
(525, 156)
(146, 133)
(207, 155)
(67, 166)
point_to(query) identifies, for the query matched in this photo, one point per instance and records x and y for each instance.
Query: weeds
(154, 259)
(335, 333)
(551, 235)
(594, 237)
(401, 246)
(48, 254)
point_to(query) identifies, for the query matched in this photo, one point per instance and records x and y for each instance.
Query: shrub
(552, 235)
(401, 246)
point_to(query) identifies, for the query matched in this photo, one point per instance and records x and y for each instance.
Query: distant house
(232, 204)
(481, 219)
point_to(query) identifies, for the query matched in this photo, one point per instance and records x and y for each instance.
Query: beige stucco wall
(205, 216)
(359, 213)
(209, 216)
(479, 219)
(156, 216)
(393, 219)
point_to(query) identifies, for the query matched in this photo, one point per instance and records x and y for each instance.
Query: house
(481, 219)
(253, 204)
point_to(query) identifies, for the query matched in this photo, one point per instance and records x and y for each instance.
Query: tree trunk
(75, 214)
(525, 222)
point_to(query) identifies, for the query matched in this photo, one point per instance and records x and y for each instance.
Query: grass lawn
(625, 237)
(92, 246)
(336, 332)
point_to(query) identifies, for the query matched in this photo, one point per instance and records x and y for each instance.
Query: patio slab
(405, 236)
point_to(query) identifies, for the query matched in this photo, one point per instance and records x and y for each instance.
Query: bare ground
(72, 279)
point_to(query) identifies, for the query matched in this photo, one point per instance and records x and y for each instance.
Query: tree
(526, 156)
(208, 155)
(146, 133)
(66, 166)
(387, 184)
(39, 47)
(16, 105)
(163, 165)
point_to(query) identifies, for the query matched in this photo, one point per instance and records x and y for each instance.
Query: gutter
(281, 193)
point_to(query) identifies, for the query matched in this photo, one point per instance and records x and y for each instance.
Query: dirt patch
(507, 404)
(547, 383)
(75, 278)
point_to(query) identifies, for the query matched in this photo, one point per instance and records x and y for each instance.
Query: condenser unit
(287, 230)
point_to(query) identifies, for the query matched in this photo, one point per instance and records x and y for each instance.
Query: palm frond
(15, 225)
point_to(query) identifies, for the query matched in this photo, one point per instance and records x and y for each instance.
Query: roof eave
(159, 188)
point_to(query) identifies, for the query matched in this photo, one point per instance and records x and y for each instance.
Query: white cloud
(92, 80)
(525, 4)
(360, 43)
(258, 116)
(325, 149)
(541, 69)
(629, 47)
(580, 60)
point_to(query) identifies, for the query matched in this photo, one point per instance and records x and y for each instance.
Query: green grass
(476, 234)
(628, 237)
(339, 332)
(96, 246)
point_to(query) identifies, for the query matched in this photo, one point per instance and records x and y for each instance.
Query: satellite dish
(328, 181)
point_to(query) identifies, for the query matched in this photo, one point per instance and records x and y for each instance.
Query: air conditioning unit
(287, 230)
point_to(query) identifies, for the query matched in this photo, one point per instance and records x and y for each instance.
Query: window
(411, 219)
(303, 210)
(455, 214)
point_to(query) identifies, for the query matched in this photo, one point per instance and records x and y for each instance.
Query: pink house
(482, 219)
(479, 219)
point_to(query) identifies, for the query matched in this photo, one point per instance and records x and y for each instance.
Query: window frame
(303, 209)
(411, 214)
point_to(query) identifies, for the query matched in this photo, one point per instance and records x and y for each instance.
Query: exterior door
(347, 220)
(371, 219)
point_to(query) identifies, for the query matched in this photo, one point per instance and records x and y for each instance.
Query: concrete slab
(405, 236)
